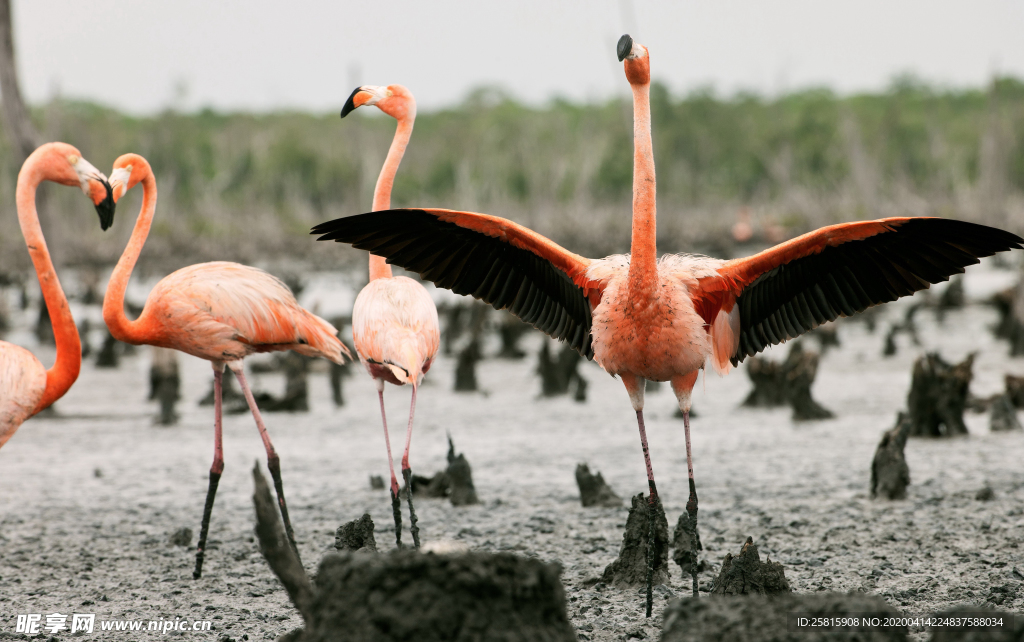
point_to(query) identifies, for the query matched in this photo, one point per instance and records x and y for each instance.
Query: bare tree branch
(17, 122)
(276, 549)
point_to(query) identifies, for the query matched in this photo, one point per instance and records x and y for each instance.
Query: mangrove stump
(630, 568)
(890, 474)
(938, 396)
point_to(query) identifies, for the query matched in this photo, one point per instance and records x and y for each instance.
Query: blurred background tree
(248, 187)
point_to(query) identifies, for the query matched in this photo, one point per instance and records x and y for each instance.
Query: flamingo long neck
(65, 368)
(382, 193)
(113, 302)
(643, 262)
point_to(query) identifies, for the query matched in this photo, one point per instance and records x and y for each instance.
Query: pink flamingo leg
(691, 504)
(396, 503)
(215, 470)
(407, 473)
(652, 508)
(273, 462)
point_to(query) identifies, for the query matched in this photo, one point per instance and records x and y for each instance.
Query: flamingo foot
(274, 465)
(413, 527)
(396, 509)
(205, 528)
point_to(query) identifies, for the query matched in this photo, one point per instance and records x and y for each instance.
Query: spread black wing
(454, 255)
(812, 281)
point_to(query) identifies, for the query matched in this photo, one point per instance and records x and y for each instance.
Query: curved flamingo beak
(637, 62)
(94, 185)
(624, 47)
(119, 182)
(365, 95)
(629, 49)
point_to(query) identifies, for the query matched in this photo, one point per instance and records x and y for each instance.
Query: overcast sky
(146, 55)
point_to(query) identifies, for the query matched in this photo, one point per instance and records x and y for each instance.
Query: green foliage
(267, 178)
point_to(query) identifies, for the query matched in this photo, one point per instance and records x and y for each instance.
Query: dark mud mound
(296, 389)
(760, 619)
(411, 596)
(356, 535)
(594, 491)
(1015, 388)
(557, 374)
(681, 539)
(1011, 628)
(630, 569)
(789, 382)
(890, 474)
(938, 396)
(746, 574)
(436, 486)
(461, 491)
(454, 482)
(165, 384)
(1003, 414)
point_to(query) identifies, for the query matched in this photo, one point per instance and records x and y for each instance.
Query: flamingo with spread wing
(662, 320)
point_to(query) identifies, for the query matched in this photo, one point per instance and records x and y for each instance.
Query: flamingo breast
(22, 382)
(656, 334)
(394, 325)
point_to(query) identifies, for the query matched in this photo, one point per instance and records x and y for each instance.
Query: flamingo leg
(215, 470)
(652, 509)
(683, 386)
(691, 504)
(407, 473)
(273, 461)
(635, 386)
(396, 502)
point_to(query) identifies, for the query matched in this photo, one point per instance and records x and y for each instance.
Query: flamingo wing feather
(840, 270)
(490, 258)
(223, 302)
(24, 381)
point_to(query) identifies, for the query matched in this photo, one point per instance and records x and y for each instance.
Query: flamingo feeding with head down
(218, 311)
(26, 386)
(394, 320)
(662, 320)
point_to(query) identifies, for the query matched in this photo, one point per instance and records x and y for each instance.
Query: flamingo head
(128, 170)
(394, 100)
(69, 168)
(635, 59)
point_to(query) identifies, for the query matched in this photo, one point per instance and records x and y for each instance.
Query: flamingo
(218, 311)
(662, 320)
(26, 386)
(394, 320)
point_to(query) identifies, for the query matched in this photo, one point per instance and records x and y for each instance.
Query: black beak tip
(105, 208)
(350, 104)
(624, 47)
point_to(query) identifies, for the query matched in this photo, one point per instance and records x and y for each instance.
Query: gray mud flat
(75, 542)
(758, 618)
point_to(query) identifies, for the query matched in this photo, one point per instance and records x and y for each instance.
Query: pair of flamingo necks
(273, 461)
(396, 503)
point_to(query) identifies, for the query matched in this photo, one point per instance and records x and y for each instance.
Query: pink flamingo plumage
(394, 320)
(218, 311)
(662, 320)
(26, 386)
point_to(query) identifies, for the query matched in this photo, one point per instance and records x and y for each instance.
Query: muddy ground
(90, 497)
